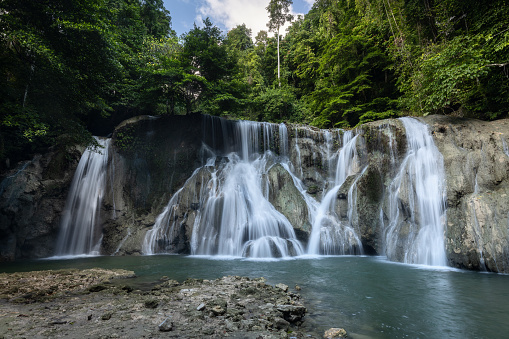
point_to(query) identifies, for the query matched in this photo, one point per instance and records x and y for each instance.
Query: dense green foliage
(71, 68)
(64, 65)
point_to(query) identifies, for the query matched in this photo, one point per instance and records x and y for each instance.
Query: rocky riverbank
(99, 303)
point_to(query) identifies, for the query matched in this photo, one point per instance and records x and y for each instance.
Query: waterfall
(224, 207)
(161, 238)
(416, 211)
(329, 235)
(79, 233)
(504, 146)
(238, 219)
(235, 217)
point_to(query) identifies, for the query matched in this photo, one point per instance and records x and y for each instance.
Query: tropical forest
(69, 68)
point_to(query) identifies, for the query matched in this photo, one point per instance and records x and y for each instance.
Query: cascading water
(235, 217)
(416, 211)
(238, 219)
(329, 235)
(78, 231)
(224, 207)
(504, 146)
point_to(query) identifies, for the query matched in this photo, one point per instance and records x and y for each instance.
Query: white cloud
(230, 13)
(309, 2)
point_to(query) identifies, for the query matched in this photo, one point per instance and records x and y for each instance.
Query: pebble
(166, 325)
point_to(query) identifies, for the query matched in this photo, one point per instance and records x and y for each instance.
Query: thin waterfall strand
(79, 232)
(420, 188)
(328, 234)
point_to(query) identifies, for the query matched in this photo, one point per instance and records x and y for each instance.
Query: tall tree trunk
(278, 62)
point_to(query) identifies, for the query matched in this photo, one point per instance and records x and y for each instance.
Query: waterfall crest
(79, 233)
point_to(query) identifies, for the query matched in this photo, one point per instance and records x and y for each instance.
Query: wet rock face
(151, 159)
(287, 199)
(309, 151)
(32, 198)
(476, 161)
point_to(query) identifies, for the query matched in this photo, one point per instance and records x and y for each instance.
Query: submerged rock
(335, 333)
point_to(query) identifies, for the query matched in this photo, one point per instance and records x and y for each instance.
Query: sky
(225, 14)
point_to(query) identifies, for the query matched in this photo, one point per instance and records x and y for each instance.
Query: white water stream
(329, 235)
(418, 191)
(79, 233)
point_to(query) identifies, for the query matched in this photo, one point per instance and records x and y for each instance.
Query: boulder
(287, 199)
(335, 333)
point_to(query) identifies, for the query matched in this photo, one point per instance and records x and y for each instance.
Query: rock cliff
(32, 198)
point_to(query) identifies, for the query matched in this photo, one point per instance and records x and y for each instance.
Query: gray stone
(281, 324)
(218, 310)
(287, 199)
(282, 287)
(292, 313)
(166, 325)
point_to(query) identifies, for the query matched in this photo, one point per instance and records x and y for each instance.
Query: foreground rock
(97, 304)
(29, 287)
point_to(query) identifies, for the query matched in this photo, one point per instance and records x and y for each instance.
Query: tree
(261, 39)
(209, 68)
(279, 14)
(67, 66)
(239, 38)
(58, 62)
(162, 76)
(156, 18)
